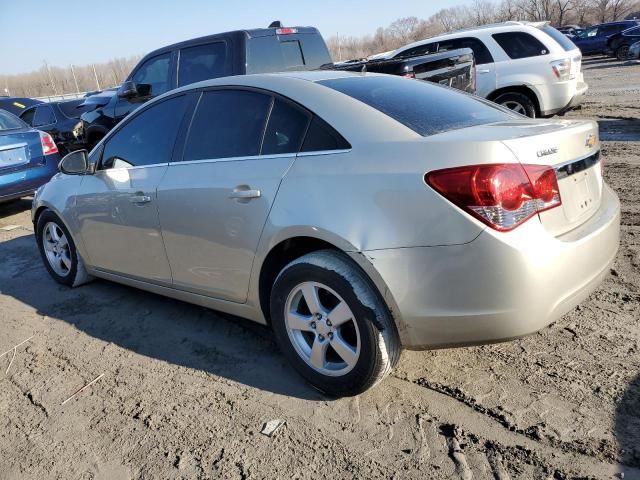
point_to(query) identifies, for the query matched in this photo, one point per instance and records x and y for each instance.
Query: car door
(214, 203)
(587, 40)
(116, 207)
(152, 78)
(485, 67)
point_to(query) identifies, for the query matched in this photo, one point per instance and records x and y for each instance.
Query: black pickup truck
(242, 52)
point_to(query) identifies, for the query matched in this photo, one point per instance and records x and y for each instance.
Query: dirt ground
(185, 392)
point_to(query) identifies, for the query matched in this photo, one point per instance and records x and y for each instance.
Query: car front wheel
(58, 251)
(332, 325)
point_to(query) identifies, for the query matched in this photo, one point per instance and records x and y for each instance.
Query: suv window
(321, 136)
(28, 116)
(480, 50)
(520, 44)
(227, 123)
(44, 116)
(423, 107)
(564, 41)
(632, 31)
(148, 138)
(154, 73)
(285, 130)
(202, 62)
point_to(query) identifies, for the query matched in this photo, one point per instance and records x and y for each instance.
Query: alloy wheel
(515, 106)
(56, 248)
(322, 329)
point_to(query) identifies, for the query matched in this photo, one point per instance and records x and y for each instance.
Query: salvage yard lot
(186, 391)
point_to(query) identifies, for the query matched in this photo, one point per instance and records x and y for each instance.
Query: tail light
(286, 31)
(562, 69)
(48, 145)
(501, 195)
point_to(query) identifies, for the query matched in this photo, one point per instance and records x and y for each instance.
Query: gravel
(185, 392)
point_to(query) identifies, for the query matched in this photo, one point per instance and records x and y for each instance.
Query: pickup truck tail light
(48, 145)
(502, 196)
(562, 69)
(286, 31)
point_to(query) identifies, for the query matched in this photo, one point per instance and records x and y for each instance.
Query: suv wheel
(59, 252)
(622, 53)
(331, 324)
(518, 102)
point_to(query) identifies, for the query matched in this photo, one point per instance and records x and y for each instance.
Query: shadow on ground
(628, 424)
(152, 325)
(13, 207)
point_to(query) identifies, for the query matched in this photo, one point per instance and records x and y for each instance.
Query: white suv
(529, 67)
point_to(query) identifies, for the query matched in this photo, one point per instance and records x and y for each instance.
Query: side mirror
(128, 90)
(75, 163)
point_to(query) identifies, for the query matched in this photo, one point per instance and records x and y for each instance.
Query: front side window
(44, 116)
(520, 44)
(480, 51)
(423, 107)
(227, 123)
(202, 62)
(153, 77)
(148, 138)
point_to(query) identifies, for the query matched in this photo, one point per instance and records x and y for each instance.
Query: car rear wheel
(332, 325)
(58, 251)
(622, 53)
(518, 102)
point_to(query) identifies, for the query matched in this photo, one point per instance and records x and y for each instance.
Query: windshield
(8, 121)
(425, 108)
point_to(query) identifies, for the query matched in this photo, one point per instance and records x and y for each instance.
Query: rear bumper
(499, 286)
(24, 182)
(575, 100)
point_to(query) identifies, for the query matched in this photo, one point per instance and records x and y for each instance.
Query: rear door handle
(245, 194)
(140, 198)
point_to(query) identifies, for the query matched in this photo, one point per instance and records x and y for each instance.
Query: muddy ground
(185, 391)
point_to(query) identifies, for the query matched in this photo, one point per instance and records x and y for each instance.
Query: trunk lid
(20, 150)
(572, 148)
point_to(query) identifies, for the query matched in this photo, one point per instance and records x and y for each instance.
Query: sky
(81, 32)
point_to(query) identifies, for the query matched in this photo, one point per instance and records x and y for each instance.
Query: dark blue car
(593, 40)
(28, 157)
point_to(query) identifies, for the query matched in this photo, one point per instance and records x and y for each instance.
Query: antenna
(276, 24)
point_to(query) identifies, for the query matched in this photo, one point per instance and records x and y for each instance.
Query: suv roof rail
(501, 24)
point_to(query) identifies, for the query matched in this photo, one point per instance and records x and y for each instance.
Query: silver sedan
(356, 214)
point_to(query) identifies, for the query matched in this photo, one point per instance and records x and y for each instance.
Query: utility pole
(339, 47)
(75, 80)
(96, 76)
(53, 85)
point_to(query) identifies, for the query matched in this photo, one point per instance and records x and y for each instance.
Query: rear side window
(423, 107)
(520, 44)
(28, 116)
(480, 50)
(321, 136)
(148, 138)
(564, 41)
(44, 116)
(227, 123)
(202, 62)
(286, 128)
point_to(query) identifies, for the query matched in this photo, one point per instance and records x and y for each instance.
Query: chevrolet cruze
(356, 214)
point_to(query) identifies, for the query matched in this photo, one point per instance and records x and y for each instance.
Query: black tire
(510, 99)
(622, 52)
(379, 341)
(76, 274)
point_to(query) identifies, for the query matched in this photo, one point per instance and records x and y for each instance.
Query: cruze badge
(591, 141)
(547, 151)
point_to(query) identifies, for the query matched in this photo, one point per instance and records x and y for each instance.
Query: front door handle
(140, 198)
(245, 194)
(483, 71)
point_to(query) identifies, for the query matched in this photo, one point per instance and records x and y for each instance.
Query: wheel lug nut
(321, 337)
(330, 335)
(313, 325)
(328, 323)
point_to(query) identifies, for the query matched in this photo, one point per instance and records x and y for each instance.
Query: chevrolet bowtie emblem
(591, 141)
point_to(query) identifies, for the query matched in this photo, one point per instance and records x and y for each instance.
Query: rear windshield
(425, 108)
(281, 53)
(71, 109)
(564, 41)
(9, 121)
